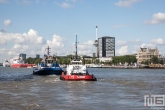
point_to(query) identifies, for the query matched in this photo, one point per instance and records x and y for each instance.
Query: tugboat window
(50, 61)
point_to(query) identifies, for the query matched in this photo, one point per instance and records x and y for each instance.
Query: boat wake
(52, 80)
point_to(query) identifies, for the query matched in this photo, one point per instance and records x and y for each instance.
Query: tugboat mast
(76, 47)
(48, 50)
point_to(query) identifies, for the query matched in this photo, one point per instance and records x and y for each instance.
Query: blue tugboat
(48, 66)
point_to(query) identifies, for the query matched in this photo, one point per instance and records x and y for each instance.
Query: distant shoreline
(131, 67)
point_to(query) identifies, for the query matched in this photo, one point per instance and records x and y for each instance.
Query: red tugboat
(76, 71)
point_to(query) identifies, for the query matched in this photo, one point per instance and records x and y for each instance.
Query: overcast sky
(29, 26)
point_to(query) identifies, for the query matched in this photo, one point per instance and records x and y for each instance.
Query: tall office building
(106, 46)
(23, 56)
(37, 56)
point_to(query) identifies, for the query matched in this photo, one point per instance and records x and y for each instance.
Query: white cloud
(134, 41)
(22, 43)
(157, 18)
(3, 50)
(137, 40)
(134, 46)
(28, 43)
(86, 48)
(126, 3)
(3, 30)
(137, 47)
(40, 40)
(57, 41)
(58, 45)
(147, 45)
(134, 52)
(3, 1)
(123, 50)
(121, 43)
(17, 49)
(66, 3)
(32, 32)
(153, 44)
(158, 41)
(20, 46)
(63, 5)
(7, 22)
(4, 38)
(31, 37)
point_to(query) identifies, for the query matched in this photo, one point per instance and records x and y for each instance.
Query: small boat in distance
(94, 66)
(48, 66)
(76, 71)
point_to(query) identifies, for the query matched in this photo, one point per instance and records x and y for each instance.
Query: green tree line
(66, 60)
(123, 59)
(154, 60)
(33, 60)
(60, 60)
(115, 60)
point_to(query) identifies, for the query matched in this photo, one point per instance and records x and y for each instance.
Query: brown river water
(116, 89)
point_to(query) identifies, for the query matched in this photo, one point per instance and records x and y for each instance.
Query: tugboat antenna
(76, 47)
(48, 50)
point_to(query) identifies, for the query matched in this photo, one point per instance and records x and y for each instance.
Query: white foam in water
(52, 80)
(53, 75)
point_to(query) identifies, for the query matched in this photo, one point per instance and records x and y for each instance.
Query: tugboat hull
(78, 77)
(47, 71)
(22, 65)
